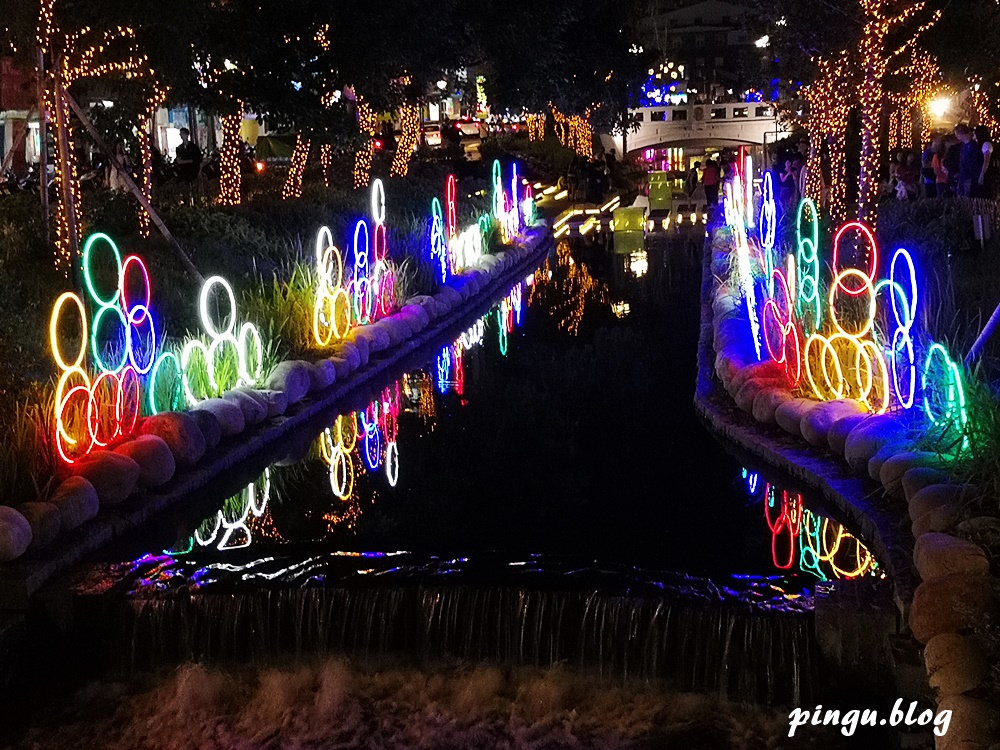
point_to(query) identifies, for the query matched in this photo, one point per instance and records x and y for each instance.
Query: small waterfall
(736, 652)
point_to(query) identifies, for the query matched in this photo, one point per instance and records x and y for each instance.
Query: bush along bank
(128, 410)
(823, 341)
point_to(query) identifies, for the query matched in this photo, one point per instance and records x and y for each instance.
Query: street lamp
(939, 106)
(442, 84)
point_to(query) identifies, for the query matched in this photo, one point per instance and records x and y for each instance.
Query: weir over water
(537, 491)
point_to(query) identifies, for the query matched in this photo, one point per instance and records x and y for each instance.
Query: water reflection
(803, 541)
(357, 443)
(566, 288)
(474, 454)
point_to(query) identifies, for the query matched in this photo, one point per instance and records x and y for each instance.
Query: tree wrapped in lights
(857, 76)
(65, 59)
(575, 132)
(230, 177)
(828, 113)
(367, 124)
(144, 129)
(293, 183)
(536, 126)
(873, 64)
(409, 120)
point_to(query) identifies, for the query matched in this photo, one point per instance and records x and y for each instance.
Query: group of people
(953, 164)
(589, 180)
(711, 175)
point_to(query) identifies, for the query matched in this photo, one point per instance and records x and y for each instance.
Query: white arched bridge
(695, 126)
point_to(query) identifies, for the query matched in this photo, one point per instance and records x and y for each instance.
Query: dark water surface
(554, 442)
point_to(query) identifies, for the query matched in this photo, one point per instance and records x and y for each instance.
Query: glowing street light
(939, 106)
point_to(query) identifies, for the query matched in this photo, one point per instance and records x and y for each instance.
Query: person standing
(188, 158)
(983, 187)
(692, 179)
(951, 162)
(710, 178)
(970, 164)
(940, 146)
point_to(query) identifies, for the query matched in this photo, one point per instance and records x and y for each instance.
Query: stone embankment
(174, 454)
(867, 466)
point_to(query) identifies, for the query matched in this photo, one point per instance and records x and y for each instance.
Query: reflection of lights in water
(638, 263)
(365, 439)
(621, 309)
(816, 544)
(236, 521)
(567, 293)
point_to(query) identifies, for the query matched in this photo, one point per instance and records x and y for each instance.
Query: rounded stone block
(869, 437)
(208, 423)
(349, 351)
(114, 476)
(936, 554)
(916, 479)
(343, 368)
(974, 724)
(451, 295)
(156, 462)
(15, 534)
(229, 415)
(252, 405)
(322, 374)
(894, 469)
(378, 340)
(181, 432)
(817, 423)
(45, 521)
(885, 453)
(950, 604)
(836, 436)
(790, 414)
(276, 402)
(938, 507)
(955, 664)
(767, 401)
(77, 502)
(292, 378)
(760, 371)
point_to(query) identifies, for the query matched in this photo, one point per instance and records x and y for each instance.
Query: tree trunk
(67, 239)
(230, 177)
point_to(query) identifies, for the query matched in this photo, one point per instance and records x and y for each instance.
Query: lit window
(741, 112)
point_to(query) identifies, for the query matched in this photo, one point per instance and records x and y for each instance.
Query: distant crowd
(959, 163)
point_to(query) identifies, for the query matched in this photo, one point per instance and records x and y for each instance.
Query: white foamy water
(331, 704)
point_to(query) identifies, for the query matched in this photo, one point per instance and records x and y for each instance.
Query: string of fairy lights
(574, 132)
(536, 126)
(367, 124)
(409, 121)
(230, 176)
(865, 69)
(293, 183)
(144, 130)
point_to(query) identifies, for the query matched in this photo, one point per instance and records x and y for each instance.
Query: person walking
(710, 178)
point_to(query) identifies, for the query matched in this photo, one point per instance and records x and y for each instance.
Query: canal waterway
(539, 490)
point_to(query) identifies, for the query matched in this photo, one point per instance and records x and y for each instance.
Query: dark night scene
(606, 375)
